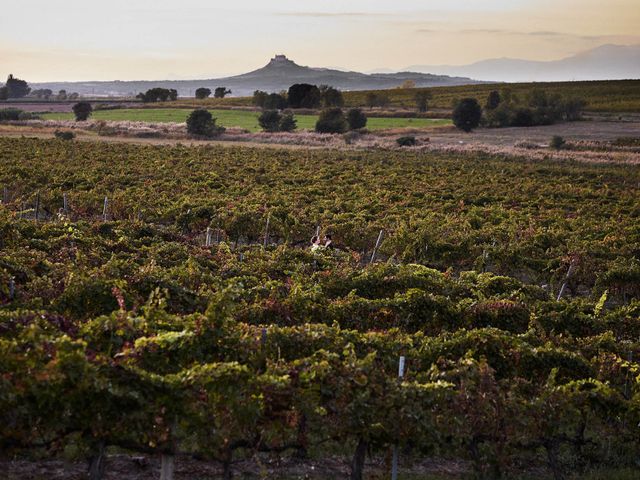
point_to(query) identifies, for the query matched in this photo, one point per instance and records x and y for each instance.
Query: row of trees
(17, 88)
(219, 92)
(503, 109)
(300, 95)
(158, 94)
(201, 123)
(331, 120)
(47, 93)
(334, 120)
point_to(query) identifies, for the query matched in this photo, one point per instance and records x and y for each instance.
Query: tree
(73, 96)
(82, 111)
(62, 95)
(331, 97)
(572, 109)
(275, 101)
(356, 119)
(203, 92)
(4, 93)
(467, 114)
(16, 88)
(374, 99)
(158, 94)
(304, 95)
(408, 84)
(202, 124)
(42, 93)
(422, 99)
(331, 121)
(493, 100)
(221, 92)
(259, 97)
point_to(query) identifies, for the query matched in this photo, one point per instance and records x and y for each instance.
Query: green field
(236, 118)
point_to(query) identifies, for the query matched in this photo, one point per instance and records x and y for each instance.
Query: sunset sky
(158, 39)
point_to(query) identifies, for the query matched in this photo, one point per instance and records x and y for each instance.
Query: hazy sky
(156, 39)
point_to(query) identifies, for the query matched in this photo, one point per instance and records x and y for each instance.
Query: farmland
(601, 96)
(247, 120)
(186, 317)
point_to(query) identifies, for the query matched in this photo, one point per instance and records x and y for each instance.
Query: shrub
(64, 135)
(408, 141)
(288, 123)
(269, 120)
(82, 111)
(572, 109)
(467, 114)
(356, 119)
(558, 143)
(274, 121)
(627, 142)
(523, 117)
(351, 137)
(202, 124)
(500, 117)
(331, 120)
(10, 114)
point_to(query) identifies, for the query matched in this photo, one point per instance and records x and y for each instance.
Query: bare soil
(140, 467)
(590, 140)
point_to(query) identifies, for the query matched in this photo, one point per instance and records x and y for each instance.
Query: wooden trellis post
(37, 206)
(266, 232)
(105, 208)
(566, 279)
(375, 249)
(394, 462)
(65, 203)
(207, 240)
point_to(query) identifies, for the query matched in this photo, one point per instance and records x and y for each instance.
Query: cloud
(328, 14)
(540, 34)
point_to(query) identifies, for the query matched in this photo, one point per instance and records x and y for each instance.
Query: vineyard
(600, 96)
(163, 300)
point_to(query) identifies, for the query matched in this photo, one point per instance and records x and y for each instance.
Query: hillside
(278, 74)
(607, 62)
(601, 96)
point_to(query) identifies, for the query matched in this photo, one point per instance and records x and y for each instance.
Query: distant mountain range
(279, 74)
(608, 62)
